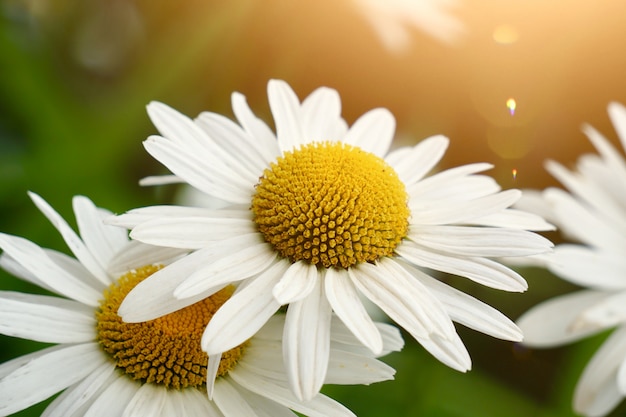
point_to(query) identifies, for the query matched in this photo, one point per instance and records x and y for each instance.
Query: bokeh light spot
(505, 34)
(511, 104)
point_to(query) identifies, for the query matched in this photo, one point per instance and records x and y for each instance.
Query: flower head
(321, 214)
(393, 19)
(592, 212)
(107, 367)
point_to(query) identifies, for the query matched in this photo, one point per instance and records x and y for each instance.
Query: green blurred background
(75, 77)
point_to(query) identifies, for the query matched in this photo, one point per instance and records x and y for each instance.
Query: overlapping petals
(460, 222)
(590, 211)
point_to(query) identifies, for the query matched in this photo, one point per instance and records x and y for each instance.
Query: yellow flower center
(331, 204)
(165, 350)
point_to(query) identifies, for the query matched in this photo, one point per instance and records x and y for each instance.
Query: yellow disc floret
(166, 350)
(331, 204)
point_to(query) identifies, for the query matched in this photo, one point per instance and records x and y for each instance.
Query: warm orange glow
(561, 61)
(505, 34)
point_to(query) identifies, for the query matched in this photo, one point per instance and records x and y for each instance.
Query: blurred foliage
(75, 79)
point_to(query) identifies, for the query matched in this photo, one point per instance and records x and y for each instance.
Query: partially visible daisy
(592, 212)
(106, 367)
(320, 214)
(393, 20)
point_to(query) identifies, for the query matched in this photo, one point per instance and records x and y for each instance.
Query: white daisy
(593, 213)
(393, 20)
(106, 367)
(320, 214)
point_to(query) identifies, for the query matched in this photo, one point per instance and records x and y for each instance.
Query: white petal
(80, 395)
(344, 299)
(211, 373)
(190, 232)
(265, 358)
(285, 108)
(479, 241)
(597, 393)
(34, 259)
(147, 402)
(343, 339)
(195, 403)
(319, 114)
(457, 191)
(173, 405)
(347, 368)
(234, 266)
(340, 130)
(612, 164)
(244, 313)
(604, 205)
(450, 352)
(160, 180)
(176, 127)
(393, 34)
(532, 201)
(403, 298)
(11, 365)
(607, 176)
(103, 241)
(264, 406)
(392, 338)
(71, 266)
(554, 322)
(273, 329)
(443, 179)
(47, 374)
(14, 268)
(609, 312)
(617, 113)
(114, 399)
(621, 377)
(319, 406)
(137, 254)
(203, 171)
(194, 232)
(373, 132)
(412, 164)
(266, 143)
(588, 267)
(230, 401)
(481, 270)
(579, 221)
(154, 296)
(190, 196)
(236, 148)
(72, 240)
(306, 343)
(45, 319)
(297, 283)
(186, 137)
(444, 212)
(134, 217)
(469, 311)
(515, 219)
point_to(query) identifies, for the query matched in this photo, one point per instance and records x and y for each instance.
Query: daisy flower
(392, 20)
(319, 215)
(592, 212)
(106, 367)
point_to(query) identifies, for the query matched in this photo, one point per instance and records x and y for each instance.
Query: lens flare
(514, 172)
(511, 104)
